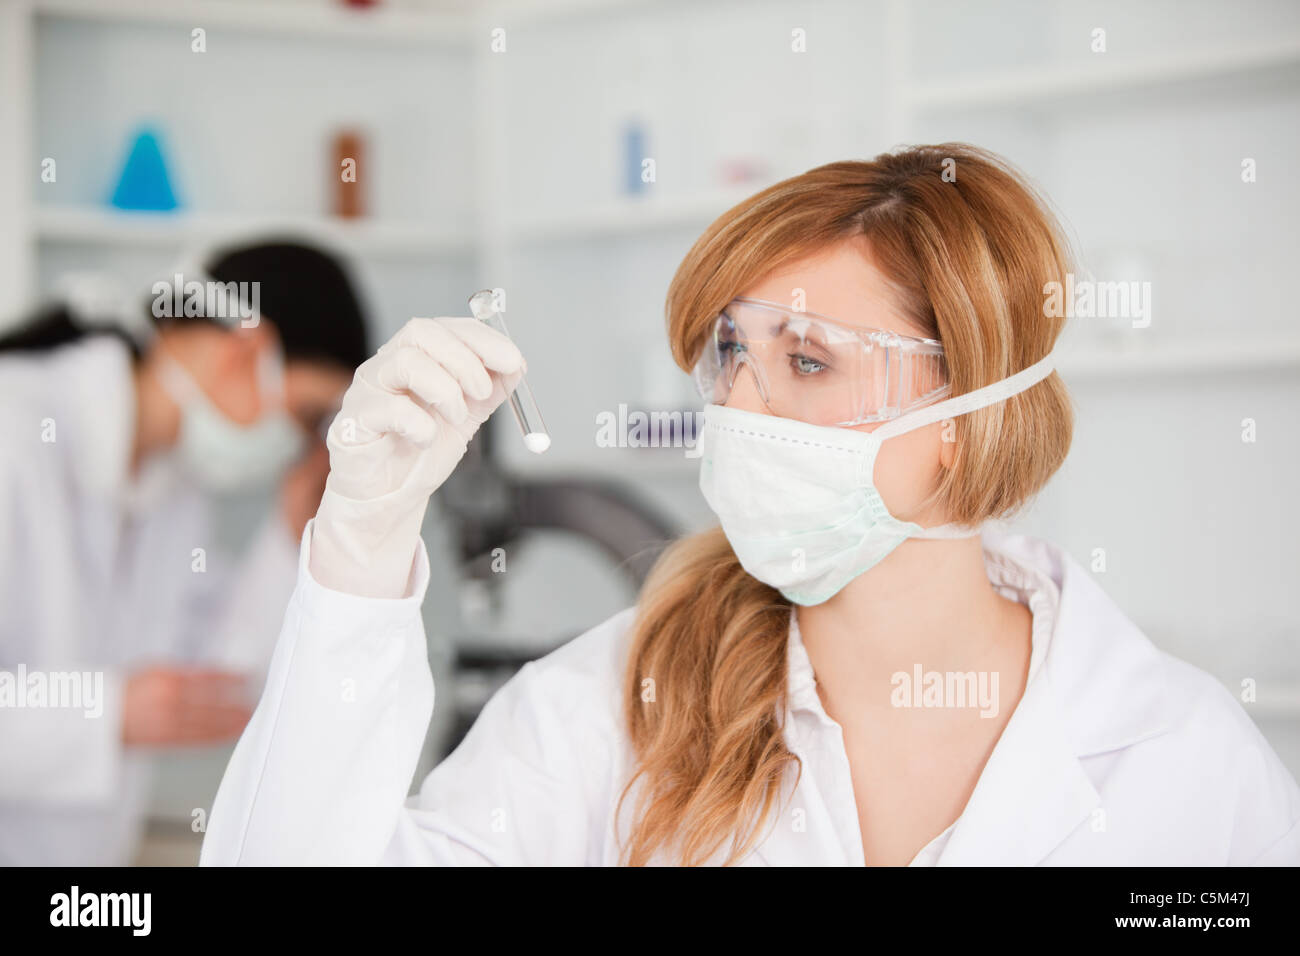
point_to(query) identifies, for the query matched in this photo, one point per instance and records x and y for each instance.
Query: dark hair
(307, 293)
(304, 291)
(53, 325)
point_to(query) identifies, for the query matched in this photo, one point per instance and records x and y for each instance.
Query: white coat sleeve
(1284, 851)
(322, 772)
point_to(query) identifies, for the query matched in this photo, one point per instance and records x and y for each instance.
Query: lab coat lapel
(1032, 794)
(1100, 689)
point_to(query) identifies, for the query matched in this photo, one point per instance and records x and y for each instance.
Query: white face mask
(222, 455)
(798, 502)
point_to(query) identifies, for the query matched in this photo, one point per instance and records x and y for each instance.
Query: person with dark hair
(125, 626)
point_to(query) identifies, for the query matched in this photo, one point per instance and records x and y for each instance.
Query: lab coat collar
(1098, 689)
(98, 414)
(1032, 793)
(1108, 678)
(1030, 585)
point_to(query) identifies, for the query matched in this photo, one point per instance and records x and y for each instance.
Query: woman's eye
(805, 365)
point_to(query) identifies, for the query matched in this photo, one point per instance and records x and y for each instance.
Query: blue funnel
(144, 183)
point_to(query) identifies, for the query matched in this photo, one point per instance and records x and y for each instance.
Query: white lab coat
(98, 574)
(1117, 753)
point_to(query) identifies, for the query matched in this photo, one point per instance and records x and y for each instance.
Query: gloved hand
(404, 424)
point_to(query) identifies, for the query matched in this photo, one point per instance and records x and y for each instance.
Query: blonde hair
(968, 259)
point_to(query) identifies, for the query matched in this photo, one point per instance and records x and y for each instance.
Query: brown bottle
(348, 159)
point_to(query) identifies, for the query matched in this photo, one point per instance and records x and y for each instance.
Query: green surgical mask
(222, 455)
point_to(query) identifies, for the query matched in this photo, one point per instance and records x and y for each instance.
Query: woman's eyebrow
(791, 319)
(835, 334)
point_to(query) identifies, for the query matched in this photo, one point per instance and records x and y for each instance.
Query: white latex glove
(404, 424)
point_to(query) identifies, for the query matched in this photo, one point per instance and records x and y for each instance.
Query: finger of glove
(502, 386)
(496, 350)
(434, 338)
(412, 370)
(382, 413)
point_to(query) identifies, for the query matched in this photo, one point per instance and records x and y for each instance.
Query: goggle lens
(807, 368)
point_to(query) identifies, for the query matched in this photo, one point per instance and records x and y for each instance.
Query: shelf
(1175, 358)
(631, 215)
(388, 239)
(298, 19)
(1029, 87)
(516, 13)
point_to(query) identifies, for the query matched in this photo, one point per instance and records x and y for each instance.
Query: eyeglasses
(812, 368)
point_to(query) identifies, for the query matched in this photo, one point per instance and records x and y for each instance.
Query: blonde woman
(846, 671)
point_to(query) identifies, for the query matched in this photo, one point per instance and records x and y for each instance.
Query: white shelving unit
(294, 18)
(34, 229)
(503, 233)
(378, 238)
(1053, 87)
(1048, 97)
(627, 216)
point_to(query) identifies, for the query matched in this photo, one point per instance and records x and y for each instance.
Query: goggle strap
(980, 398)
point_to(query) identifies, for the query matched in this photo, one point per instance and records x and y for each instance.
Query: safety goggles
(814, 369)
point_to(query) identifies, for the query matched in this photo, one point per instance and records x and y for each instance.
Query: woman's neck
(928, 604)
(157, 417)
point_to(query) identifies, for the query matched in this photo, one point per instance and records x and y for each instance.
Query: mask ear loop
(270, 376)
(176, 380)
(951, 408)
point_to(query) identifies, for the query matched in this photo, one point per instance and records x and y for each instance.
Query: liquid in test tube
(536, 438)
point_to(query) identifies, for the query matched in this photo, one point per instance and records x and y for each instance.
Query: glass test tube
(536, 438)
